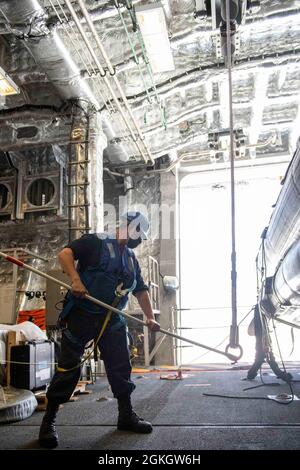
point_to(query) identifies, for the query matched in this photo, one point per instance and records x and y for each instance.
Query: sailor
(106, 263)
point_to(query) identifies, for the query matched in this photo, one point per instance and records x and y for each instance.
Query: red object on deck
(38, 317)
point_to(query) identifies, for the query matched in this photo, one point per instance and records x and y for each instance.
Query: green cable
(130, 8)
(146, 60)
(134, 54)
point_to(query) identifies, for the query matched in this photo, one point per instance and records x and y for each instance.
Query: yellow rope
(107, 319)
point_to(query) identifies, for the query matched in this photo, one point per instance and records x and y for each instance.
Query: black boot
(128, 420)
(48, 436)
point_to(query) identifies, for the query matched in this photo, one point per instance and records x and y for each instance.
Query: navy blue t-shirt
(87, 250)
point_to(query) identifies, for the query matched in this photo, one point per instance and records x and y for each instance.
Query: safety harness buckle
(119, 292)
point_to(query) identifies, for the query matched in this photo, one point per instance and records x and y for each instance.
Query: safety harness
(103, 282)
(120, 293)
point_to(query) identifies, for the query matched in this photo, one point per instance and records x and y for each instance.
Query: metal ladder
(78, 180)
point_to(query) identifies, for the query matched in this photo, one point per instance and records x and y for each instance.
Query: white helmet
(138, 222)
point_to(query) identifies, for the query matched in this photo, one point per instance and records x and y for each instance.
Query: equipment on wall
(7, 199)
(34, 185)
(40, 193)
(170, 283)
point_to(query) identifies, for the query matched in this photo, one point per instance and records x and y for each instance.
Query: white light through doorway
(205, 246)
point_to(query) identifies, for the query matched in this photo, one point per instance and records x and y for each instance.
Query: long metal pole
(20, 263)
(234, 340)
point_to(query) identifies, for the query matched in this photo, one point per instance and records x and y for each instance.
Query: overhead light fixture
(7, 85)
(152, 23)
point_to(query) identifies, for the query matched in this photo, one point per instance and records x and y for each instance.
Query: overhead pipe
(179, 145)
(81, 54)
(103, 74)
(110, 69)
(50, 53)
(112, 152)
(27, 19)
(21, 264)
(200, 155)
(98, 14)
(108, 12)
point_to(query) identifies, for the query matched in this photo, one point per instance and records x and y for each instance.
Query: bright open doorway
(205, 255)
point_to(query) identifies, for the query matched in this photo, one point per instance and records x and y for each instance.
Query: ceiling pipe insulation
(108, 11)
(192, 34)
(195, 77)
(51, 55)
(143, 148)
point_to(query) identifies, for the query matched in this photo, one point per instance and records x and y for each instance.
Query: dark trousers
(81, 328)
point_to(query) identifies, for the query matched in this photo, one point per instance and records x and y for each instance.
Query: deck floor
(183, 418)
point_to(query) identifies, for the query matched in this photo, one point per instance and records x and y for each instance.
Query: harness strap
(103, 328)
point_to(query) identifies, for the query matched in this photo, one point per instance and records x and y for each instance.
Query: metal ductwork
(100, 13)
(114, 151)
(284, 227)
(28, 21)
(279, 256)
(281, 296)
